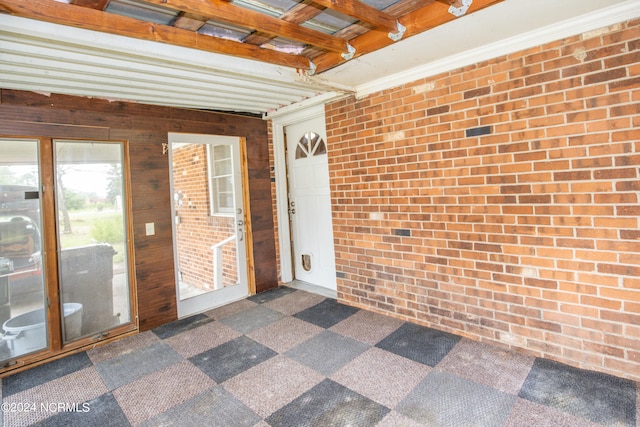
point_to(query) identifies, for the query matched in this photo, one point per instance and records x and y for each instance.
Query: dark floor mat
(598, 397)
(420, 344)
(327, 313)
(232, 358)
(329, 404)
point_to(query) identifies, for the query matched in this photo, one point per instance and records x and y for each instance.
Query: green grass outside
(82, 222)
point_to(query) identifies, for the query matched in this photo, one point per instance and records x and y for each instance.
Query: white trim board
(279, 122)
(618, 13)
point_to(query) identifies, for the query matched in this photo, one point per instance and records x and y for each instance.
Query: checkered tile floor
(293, 358)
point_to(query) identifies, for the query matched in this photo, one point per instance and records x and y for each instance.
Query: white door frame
(282, 198)
(222, 296)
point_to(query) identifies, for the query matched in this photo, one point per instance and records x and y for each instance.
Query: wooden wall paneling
(75, 103)
(171, 125)
(265, 254)
(261, 210)
(151, 200)
(157, 302)
(146, 128)
(225, 119)
(52, 130)
(85, 119)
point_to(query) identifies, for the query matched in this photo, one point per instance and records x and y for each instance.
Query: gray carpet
(292, 358)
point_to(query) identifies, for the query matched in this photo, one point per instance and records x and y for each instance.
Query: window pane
(22, 297)
(221, 152)
(92, 235)
(221, 175)
(300, 153)
(225, 184)
(227, 201)
(222, 167)
(321, 148)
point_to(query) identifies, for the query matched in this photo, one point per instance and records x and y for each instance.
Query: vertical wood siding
(146, 128)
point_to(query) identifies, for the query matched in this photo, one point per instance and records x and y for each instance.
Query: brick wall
(500, 201)
(197, 230)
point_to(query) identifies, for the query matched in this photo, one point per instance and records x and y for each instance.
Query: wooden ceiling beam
(189, 21)
(224, 11)
(403, 7)
(454, 3)
(92, 4)
(362, 11)
(90, 19)
(418, 21)
(302, 12)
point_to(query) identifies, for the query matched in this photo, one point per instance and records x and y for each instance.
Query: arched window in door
(311, 144)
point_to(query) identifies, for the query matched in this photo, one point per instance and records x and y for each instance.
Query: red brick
(528, 235)
(622, 270)
(614, 74)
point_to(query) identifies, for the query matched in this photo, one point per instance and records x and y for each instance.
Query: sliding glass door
(63, 239)
(22, 284)
(92, 237)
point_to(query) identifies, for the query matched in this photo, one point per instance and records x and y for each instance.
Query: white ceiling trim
(487, 20)
(291, 110)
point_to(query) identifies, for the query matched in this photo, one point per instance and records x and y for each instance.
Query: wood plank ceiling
(310, 36)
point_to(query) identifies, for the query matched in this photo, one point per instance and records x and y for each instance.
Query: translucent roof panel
(283, 45)
(225, 31)
(269, 7)
(380, 4)
(142, 11)
(330, 22)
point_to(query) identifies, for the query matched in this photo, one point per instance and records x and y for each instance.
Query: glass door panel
(208, 224)
(92, 237)
(22, 284)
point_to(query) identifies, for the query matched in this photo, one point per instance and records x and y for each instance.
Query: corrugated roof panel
(224, 30)
(284, 45)
(330, 22)
(270, 7)
(142, 11)
(380, 4)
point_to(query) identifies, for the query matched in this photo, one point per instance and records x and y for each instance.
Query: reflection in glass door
(209, 228)
(22, 284)
(92, 237)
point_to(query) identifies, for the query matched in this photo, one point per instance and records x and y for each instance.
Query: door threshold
(315, 289)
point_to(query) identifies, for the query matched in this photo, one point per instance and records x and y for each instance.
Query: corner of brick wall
(500, 201)
(272, 176)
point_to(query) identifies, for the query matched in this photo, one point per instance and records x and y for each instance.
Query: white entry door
(209, 221)
(310, 203)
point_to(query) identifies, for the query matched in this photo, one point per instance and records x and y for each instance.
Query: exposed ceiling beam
(83, 17)
(92, 4)
(402, 8)
(302, 12)
(362, 11)
(189, 21)
(423, 19)
(454, 3)
(247, 18)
